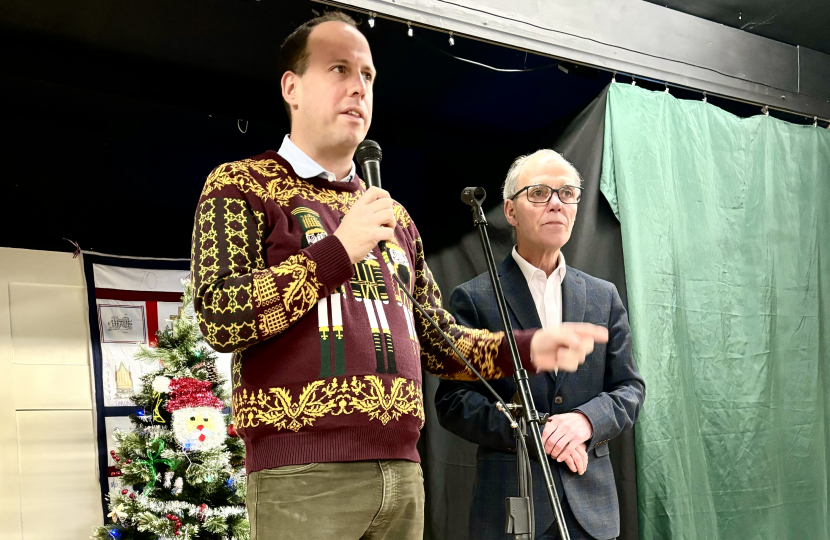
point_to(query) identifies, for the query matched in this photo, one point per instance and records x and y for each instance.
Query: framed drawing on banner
(130, 300)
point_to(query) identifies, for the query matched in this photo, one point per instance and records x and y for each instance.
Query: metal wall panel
(815, 73)
(627, 36)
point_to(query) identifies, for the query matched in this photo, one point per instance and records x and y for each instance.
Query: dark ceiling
(802, 22)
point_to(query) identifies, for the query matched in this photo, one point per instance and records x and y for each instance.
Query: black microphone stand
(474, 196)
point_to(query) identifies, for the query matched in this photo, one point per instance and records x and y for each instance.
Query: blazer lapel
(517, 294)
(573, 308)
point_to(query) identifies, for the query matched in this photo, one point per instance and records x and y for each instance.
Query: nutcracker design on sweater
(331, 327)
(369, 288)
(401, 266)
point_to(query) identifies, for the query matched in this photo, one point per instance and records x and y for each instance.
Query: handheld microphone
(369, 156)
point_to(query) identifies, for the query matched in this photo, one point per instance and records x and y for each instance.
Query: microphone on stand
(369, 156)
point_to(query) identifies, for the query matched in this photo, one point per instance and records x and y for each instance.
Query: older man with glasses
(588, 408)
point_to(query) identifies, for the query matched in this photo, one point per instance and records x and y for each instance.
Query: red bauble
(129, 461)
(232, 431)
(132, 495)
(124, 492)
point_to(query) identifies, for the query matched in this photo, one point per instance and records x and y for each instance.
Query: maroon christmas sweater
(327, 354)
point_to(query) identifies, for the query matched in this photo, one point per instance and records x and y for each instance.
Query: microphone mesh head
(368, 150)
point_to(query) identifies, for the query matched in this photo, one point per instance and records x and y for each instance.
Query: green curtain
(725, 224)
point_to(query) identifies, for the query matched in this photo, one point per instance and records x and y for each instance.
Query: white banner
(138, 279)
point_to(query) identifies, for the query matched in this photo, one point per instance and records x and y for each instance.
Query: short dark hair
(294, 50)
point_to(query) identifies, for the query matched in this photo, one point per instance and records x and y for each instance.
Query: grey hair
(511, 182)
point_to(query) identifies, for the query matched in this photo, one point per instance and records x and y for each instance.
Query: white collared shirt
(545, 290)
(304, 166)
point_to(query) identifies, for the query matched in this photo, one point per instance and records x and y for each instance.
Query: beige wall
(48, 477)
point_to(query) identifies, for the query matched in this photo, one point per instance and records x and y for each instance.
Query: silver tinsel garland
(182, 508)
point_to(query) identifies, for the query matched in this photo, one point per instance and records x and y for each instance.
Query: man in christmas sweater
(328, 351)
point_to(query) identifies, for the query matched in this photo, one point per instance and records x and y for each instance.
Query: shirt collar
(529, 270)
(304, 166)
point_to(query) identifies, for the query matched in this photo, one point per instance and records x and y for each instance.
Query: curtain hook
(704, 98)
(765, 110)
(633, 81)
(77, 248)
(240, 127)
(667, 87)
(815, 121)
(614, 77)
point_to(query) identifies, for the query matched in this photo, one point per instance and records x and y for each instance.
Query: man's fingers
(549, 444)
(581, 462)
(381, 203)
(386, 234)
(568, 359)
(382, 212)
(389, 219)
(551, 439)
(587, 346)
(572, 465)
(598, 333)
(372, 194)
(560, 445)
(572, 444)
(567, 346)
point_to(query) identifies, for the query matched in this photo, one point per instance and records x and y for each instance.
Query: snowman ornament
(198, 422)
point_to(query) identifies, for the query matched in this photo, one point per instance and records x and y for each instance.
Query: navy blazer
(607, 388)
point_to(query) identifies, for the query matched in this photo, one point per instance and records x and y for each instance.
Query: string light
(451, 39)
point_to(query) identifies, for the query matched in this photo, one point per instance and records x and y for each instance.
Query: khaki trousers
(360, 500)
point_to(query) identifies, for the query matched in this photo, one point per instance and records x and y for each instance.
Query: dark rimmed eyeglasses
(541, 194)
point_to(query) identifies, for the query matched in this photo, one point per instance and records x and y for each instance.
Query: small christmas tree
(181, 468)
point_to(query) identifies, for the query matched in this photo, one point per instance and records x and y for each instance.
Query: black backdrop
(596, 248)
(114, 113)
